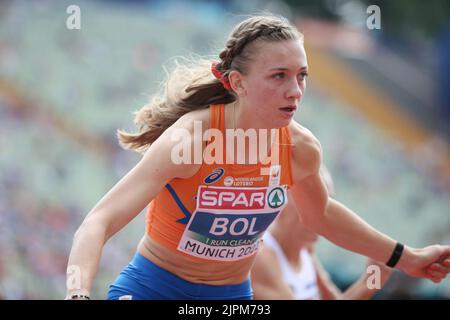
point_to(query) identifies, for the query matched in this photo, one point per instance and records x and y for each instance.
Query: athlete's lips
(289, 108)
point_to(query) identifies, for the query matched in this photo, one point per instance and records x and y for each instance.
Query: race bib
(228, 223)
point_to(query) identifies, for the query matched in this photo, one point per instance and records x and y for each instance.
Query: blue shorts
(144, 280)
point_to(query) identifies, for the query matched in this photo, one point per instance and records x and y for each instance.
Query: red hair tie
(224, 80)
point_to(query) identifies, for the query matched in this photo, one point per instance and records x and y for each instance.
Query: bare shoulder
(188, 120)
(306, 151)
(311, 248)
(266, 266)
(303, 138)
(268, 256)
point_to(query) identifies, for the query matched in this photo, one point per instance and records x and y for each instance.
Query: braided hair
(191, 85)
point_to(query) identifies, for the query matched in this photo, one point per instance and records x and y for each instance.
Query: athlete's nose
(295, 90)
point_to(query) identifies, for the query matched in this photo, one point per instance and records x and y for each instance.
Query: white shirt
(303, 283)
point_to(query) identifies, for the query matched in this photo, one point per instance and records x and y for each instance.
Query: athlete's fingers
(435, 274)
(435, 280)
(446, 263)
(439, 268)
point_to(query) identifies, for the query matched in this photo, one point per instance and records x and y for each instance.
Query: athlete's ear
(237, 83)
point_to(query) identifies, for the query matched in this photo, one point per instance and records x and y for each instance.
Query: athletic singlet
(303, 283)
(222, 211)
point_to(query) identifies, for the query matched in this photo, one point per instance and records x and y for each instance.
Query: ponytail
(190, 86)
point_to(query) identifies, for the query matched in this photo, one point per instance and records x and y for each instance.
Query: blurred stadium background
(378, 100)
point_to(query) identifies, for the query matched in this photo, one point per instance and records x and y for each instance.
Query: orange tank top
(222, 211)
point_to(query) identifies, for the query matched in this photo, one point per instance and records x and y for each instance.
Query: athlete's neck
(243, 117)
(237, 119)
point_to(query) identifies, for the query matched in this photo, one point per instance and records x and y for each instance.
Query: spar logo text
(232, 198)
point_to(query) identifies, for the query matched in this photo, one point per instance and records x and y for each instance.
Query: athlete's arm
(362, 289)
(267, 279)
(368, 283)
(328, 290)
(120, 205)
(342, 226)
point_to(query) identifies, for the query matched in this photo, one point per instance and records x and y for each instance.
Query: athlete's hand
(432, 262)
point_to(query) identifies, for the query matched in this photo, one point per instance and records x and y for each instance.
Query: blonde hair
(191, 85)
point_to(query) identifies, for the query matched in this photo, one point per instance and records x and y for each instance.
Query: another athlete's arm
(119, 206)
(359, 290)
(328, 290)
(267, 278)
(365, 287)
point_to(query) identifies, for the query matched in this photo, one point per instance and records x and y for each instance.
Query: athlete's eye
(278, 76)
(302, 76)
